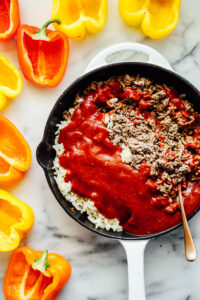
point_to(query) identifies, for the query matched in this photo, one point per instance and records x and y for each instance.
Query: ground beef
(161, 147)
(155, 127)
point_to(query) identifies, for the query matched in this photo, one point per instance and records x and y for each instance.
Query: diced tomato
(161, 145)
(191, 145)
(139, 93)
(103, 95)
(178, 103)
(170, 153)
(152, 184)
(144, 104)
(135, 122)
(115, 88)
(178, 115)
(148, 115)
(194, 142)
(185, 114)
(161, 138)
(147, 95)
(172, 208)
(160, 201)
(172, 94)
(193, 165)
(129, 93)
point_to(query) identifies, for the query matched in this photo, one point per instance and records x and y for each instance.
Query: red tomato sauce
(95, 169)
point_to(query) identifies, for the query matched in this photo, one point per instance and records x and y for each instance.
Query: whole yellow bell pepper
(10, 81)
(16, 218)
(158, 18)
(80, 16)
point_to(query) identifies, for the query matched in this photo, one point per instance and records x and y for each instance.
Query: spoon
(190, 250)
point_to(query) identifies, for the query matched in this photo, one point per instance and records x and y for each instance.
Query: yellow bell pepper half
(80, 16)
(16, 218)
(158, 18)
(3, 101)
(10, 81)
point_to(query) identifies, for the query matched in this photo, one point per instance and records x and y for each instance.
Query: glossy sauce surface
(95, 169)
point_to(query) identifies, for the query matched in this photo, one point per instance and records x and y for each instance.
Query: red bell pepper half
(43, 54)
(9, 19)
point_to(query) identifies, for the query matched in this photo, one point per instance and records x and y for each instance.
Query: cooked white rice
(82, 204)
(126, 154)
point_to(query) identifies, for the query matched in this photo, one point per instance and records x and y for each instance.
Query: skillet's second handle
(135, 258)
(44, 153)
(127, 52)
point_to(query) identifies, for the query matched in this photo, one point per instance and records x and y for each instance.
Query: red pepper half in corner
(9, 19)
(43, 54)
(35, 275)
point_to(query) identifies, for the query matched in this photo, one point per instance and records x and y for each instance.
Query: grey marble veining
(99, 264)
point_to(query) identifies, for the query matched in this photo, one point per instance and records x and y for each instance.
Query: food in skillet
(123, 150)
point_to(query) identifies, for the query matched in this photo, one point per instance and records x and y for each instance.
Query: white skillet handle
(135, 258)
(127, 52)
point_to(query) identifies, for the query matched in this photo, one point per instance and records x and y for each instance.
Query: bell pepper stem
(42, 33)
(41, 264)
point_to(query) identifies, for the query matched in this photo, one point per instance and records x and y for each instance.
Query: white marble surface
(99, 265)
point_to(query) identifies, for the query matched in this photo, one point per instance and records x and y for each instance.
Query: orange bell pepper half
(35, 275)
(15, 153)
(43, 54)
(9, 19)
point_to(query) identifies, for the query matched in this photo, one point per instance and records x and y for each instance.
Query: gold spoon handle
(190, 250)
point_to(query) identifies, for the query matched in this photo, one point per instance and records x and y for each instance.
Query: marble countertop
(99, 265)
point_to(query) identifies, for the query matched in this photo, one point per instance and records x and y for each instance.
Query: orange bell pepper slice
(15, 153)
(35, 275)
(9, 19)
(43, 54)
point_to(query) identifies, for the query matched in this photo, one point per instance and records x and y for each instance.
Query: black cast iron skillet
(46, 154)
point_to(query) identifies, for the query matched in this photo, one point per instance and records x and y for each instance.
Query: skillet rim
(104, 232)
